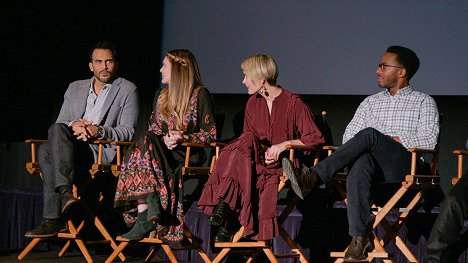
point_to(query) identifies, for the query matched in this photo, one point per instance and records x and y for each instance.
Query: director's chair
(401, 202)
(73, 233)
(254, 248)
(188, 171)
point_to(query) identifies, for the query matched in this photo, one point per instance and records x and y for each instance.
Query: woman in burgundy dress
(245, 178)
(150, 184)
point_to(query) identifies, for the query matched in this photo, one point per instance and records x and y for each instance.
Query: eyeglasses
(383, 66)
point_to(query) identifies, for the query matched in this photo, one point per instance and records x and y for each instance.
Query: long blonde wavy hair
(185, 77)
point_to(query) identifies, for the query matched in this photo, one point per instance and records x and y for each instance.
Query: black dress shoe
(358, 249)
(301, 182)
(224, 235)
(48, 228)
(219, 214)
(66, 200)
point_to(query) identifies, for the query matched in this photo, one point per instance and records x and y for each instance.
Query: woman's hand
(173, 138)
(273, 153)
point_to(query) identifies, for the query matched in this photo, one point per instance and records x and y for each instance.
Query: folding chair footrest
(370, 255)
(259, 244)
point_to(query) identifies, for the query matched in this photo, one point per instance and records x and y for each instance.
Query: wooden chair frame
(33, 167)
(187, 170)
(460, 154)
(413, 181)
(254, 248)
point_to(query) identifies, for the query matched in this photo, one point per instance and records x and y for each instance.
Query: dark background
(44, 46)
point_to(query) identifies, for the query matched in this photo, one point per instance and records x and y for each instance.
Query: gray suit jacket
(119, 113)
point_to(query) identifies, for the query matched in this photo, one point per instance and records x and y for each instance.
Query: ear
(403, 73)
(91, 66)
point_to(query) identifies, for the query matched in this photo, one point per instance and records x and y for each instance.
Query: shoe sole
(289, 169)
(46, 235)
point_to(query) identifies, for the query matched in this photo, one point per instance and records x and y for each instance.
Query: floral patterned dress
(150, 167)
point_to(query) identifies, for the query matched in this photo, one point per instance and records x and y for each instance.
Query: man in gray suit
(103, 107)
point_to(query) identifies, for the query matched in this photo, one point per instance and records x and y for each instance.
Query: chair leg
(28, 248)
(107, 236)
(117, 251)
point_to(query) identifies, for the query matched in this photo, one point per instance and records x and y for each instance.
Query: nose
(160, 70)
(243, 81)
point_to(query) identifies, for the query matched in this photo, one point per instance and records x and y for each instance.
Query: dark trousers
(371, 157)
(61, 158)
(449, 224)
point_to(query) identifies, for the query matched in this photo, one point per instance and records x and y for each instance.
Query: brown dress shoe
(358, 249)
(301, 182)
(48, 228)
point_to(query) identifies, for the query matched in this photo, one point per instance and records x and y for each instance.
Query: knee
(248, 136)
(58, 127)
(367, 132)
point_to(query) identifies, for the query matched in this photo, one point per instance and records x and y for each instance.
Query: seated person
(150, 182)
(246, 175)
(449, 224)
(103, 107)
(375, 144)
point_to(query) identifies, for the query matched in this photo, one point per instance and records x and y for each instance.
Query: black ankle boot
(224, 235)
(141, 228)
(154, 208)
(219, 214)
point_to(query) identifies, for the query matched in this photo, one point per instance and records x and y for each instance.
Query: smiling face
(252, 86)
(165, 71)
(103, 65)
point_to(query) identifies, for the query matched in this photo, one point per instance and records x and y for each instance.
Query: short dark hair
(104, 45)
(407, 58)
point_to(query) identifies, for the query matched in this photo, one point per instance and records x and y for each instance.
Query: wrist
(101, 133)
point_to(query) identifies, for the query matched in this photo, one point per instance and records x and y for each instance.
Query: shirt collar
(401, 92)
(107, 86)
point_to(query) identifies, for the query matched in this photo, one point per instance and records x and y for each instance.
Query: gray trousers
(61, 158)
(371, 157)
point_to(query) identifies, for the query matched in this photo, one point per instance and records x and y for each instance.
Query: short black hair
(104, 45)
(407, 58)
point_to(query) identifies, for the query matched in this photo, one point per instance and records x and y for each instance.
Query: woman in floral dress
(149, 189)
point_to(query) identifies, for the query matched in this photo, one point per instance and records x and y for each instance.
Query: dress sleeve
(206, 119)
(309, 133)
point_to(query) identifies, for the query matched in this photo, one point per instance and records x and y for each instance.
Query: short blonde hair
(260, 66)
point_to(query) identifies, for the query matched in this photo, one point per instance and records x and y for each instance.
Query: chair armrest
(198, 145)
(461, 152)
(414, 157)
(33, 166)
(118, 143)
(420, 150)
(299, 147)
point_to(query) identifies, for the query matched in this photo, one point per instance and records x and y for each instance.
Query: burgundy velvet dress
(242, 179)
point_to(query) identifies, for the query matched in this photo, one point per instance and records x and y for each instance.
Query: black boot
(220, 213)
(48, 228)
(357, 251)
(224, 235)
(141, 228)
(66, 199)
(301, 182)
(154, 208)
